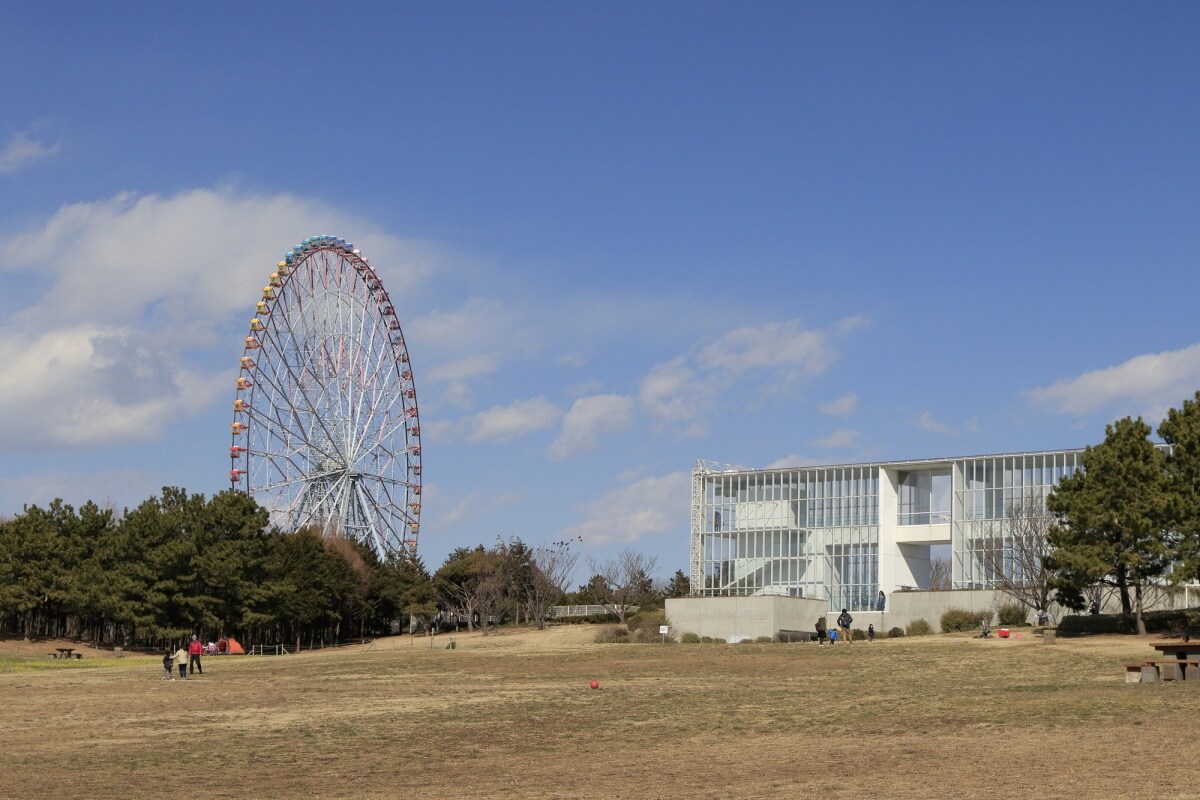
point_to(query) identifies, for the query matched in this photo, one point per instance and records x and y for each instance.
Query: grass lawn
(511, 715)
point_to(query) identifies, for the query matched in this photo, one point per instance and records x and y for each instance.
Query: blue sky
(620, 236)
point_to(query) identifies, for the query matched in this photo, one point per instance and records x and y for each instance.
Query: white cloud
(673, 394)
(108, 489)
(457, 375)
(791, 460)
(647, 507)
(505, 423)
(470, 508)
(1147, 384)
(480, 324)
(841, 406)
(464, 368)
(682, 392)
(574, 360)
(773, 345)
(204, 252)
(143, 288)
(843, 438)
(588, 419)
(458, 513)
(88, 385)
(926, 422)
(584, 388)
(21, 150)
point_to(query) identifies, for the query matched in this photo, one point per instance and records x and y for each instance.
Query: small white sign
(664, 629)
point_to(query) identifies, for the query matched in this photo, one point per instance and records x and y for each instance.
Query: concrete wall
(732, 618)
(904, 607)
(736, 618)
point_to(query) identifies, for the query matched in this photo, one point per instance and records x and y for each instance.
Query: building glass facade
(845, 533)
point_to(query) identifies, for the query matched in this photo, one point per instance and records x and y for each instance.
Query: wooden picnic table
(65, 652)
(1178, 648)
(1180, 660)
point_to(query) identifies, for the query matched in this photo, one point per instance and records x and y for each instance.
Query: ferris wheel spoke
(296, 370)
(289, 404)
(298, 480)
(371, 516)
(278, 427)
(383, 437)
(316, 497)
(382, 387)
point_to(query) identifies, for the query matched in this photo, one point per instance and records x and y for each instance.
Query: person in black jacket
(820, 631)
(844, 621)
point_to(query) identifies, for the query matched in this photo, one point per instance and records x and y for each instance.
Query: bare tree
(553, 566)
(941, 575)
(626, 580)
(1013, 557)
(476, 582)
(493, 588)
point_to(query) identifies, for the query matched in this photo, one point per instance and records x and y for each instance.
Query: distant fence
(567, 612)
(268, 650)
(287, 650)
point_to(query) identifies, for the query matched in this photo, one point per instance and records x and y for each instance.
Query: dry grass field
(511, 715)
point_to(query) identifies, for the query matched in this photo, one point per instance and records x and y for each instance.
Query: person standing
(844, 621)
(181, 658)
(871, 633)
(820, 631)
(194, 651)
(168, 671)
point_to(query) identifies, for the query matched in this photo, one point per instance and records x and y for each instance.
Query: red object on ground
(595, 684)
(1002, 633)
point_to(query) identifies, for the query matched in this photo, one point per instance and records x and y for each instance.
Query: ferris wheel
(325, 429)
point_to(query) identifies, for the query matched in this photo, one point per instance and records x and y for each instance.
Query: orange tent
(233, 648)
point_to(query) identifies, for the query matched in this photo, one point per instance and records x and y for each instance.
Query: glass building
(845, 533)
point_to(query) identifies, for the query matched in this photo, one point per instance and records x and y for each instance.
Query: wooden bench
(1169, 669)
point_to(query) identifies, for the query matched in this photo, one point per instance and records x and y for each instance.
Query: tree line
(180, 564)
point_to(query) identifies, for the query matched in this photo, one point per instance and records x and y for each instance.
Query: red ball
(595, 684)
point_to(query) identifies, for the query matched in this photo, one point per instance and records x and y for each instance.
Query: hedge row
(1185, 620)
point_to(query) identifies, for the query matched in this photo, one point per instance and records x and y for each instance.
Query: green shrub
(1011, 614)
(960, 619)
(612, 634)
(644, 636)
(711, 640)
(600, 619)
(919, 627)
(690, 638)
(858, 634)
(897, 632)
(1185, 620)
(764, 640)
(646, 621)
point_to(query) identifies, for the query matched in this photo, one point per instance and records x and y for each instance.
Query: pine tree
(1181, 430)
(1112, 520)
